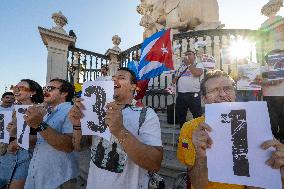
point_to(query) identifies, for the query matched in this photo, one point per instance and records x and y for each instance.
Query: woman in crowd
(14, 163)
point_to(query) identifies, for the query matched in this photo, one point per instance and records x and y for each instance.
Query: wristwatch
(41, 127)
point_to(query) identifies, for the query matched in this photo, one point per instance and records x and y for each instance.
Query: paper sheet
(236, 157)
(96, 95)
(5, 119)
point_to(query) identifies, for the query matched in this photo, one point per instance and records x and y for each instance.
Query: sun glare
(240, 49)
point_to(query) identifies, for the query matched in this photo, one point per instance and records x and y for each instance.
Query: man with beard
(53, 165)
(137, 142)
(216, 87)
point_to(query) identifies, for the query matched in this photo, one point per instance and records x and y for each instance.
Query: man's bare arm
(199, 173)
(81, 141)
(61, 142)
(195, 71)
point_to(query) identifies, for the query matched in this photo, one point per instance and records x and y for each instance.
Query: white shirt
(122, 172)
(11, 108)
(188, 82)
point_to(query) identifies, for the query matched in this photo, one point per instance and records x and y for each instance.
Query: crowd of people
(135, 150)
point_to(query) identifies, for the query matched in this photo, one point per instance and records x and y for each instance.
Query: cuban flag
(156, 55)
(142, 85)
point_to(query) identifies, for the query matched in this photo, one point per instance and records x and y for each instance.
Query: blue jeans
(14, 166)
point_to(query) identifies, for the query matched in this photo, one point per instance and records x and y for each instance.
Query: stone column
(113, 55)
(57, 42)
(216, 52)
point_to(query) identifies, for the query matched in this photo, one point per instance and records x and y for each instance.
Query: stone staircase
(171, 167)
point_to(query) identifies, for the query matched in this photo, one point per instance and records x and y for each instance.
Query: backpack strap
(142, 117)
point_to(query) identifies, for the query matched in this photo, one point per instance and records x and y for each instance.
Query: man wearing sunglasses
(216, 87)
(53, 164)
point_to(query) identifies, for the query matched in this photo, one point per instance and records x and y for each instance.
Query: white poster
(275, 64)
(23, 130)
(96, 95)
(208, 61)
(247, 77)
(5, 119)
(238, 130)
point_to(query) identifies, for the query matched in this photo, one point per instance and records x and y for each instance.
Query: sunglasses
(49, 88)
(20, 88)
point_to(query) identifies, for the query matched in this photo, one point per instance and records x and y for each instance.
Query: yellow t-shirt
(186, 151)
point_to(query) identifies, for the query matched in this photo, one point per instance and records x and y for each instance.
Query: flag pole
(174, 122)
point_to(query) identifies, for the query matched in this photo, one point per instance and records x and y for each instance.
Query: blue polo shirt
(49, 168)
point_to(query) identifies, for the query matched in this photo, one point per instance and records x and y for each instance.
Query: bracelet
(42, 126)
(122, 139)
(77, 127)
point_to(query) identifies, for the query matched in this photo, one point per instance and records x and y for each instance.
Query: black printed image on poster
(5, 118)
(98, 108)
(237, 119)
(108, 155)
(23, 130)
(96, 95)
(22, 111)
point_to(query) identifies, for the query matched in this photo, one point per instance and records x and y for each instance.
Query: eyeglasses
(20, 88)
(49, 88)
(226, 89)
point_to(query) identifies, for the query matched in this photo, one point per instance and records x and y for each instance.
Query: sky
(23, 54)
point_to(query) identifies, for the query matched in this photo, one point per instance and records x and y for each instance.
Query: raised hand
(34, 115)
(276, 160)
(75, 114)
(13, 147)
(201, 139)
(12, 129)
(113, 118)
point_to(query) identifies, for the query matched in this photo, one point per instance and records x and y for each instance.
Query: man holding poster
(53, 164)
(273, 91)
(216, 87)
(135, 146)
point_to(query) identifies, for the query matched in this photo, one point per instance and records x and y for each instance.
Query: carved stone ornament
(116, 40)
(271, 8)
(60, 20)
(180, 15)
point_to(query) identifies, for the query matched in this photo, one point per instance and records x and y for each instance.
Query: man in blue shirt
(53, 164)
